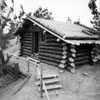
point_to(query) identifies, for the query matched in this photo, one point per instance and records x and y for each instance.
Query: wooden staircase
(51, 82)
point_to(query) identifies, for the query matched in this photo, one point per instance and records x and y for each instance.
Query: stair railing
(42, 84)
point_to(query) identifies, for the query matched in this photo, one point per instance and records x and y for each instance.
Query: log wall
(26, 44)
(56, 52)
(53, 52)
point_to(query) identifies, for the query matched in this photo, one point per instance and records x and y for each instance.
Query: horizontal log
(26, 39)
(28, 33)
(26, 45)
(83, 46)
(53, 56)
(28, 36)
(64, 44)
(29, 48)
(81, 58)
(53, 60)
(53, 52)
(51, 40)
(62, 65)
(73, 55)
(73, 50)
(82, 50)
(42, 43)
(28, 42)
(71, 59)
(82, 62)
(53, 48)
(26, 50)
(64, 61)
(53, 64)
(49, 62)
(53, 44)
(26, 53)
(49, 59)
(72, 46)
(94, 60)
(71, 64)
(51, 37)
(82, 54)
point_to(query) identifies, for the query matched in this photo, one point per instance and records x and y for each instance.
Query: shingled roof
(67, 31)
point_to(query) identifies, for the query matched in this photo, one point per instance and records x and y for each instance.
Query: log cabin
(61, 44)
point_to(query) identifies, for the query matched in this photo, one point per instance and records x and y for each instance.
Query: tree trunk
(1, 52)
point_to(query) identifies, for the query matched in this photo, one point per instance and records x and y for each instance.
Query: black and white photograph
(49, 49)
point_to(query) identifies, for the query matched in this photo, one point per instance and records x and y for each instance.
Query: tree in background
(43, 13)
(96, 14)
(8, 23)
(69, 20)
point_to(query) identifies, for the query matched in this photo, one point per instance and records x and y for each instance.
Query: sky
(61, 9)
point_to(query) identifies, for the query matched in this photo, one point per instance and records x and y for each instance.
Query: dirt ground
(83, 85)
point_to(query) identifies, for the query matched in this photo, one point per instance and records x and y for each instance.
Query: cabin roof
(66, 31)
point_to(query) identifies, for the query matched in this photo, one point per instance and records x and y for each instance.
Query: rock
(85, 74)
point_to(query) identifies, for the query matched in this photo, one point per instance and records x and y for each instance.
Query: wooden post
(41, 80)
(28, 69)
(16, 65)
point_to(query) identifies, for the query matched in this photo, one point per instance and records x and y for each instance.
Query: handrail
(47, 95)
(38, 71)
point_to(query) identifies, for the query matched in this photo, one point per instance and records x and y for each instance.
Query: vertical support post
(16, 65)
(28, 69)
(41, 80)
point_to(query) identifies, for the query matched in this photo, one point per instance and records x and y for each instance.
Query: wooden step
(52, 87)
(48, 81)
(48, 76)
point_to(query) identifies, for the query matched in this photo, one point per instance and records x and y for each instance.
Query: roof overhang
(67, 40)
(78, 42)
(74, 42)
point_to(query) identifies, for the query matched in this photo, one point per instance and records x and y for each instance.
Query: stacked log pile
(83, 55)
(71, 58)
(78, 55)
(26, 44)
(53, 52)
(93, 54)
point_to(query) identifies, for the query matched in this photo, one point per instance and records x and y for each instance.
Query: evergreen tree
(43, 13)
(96, 15)
(7, 26)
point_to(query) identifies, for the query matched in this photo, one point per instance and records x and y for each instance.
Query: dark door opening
(35, 42)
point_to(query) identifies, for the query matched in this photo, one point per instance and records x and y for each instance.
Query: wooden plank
(22, 85)
(52, 87)
(48, 81)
